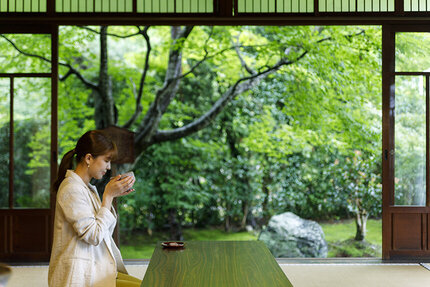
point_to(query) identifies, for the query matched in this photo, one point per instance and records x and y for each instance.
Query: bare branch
(111, 34)
(134, 88)
(166, 93)
(163, 97)
(242, 85)
(208, 38)
(185, 32)
(139, 108)
(24, 52)
(207, 57)
(63, 78)
(349, 36)
(71, 71)
(146, 67)
(239, 87)
(242, 61)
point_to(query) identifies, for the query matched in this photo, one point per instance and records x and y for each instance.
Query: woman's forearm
(107, 201)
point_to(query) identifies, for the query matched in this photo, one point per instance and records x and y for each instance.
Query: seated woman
(83, 251)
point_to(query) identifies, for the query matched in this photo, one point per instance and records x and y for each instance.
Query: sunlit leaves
(13, 61)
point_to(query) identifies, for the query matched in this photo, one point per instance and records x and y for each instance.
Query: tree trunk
(360, 222)
(165, 94)
(227, 226)
(149, 221)
(245, 211)
(233, 144)
(175, 226)
(227, 219)
(105, 112)
(266, 192)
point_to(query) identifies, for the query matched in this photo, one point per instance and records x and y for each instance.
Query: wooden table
(215, 263)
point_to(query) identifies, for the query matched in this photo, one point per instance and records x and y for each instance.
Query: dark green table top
(215, 263)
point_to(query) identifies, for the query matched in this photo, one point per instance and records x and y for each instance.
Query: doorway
(28, 124)
(406, 90)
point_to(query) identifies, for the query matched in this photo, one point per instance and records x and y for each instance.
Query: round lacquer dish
(173, 244)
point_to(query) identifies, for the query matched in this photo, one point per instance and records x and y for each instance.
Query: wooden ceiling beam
(25, 22)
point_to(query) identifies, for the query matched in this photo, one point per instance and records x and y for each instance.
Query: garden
(232, 125)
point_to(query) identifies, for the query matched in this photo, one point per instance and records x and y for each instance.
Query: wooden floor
(300, 274)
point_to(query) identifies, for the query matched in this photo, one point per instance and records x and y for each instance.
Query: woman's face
(99, 165)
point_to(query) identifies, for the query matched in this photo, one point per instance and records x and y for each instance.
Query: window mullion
(427, 143)
(11, 143)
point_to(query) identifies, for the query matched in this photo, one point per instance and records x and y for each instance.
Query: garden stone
(288, 235)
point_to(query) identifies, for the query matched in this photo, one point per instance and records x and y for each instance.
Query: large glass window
(412, 52)
(410, 140)
(25, 98)
(412, 72)
(16, 51)
(32, 129)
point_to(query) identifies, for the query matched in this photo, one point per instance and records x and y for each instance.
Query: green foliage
(11, 61)
(344, 229)
(31, 181)
(410, 141)
(339, 237)
(337, 234)
(285, 145)
(31, 173)
(360, 181)
(410, 52)
(354, 248)
(273, 149)
(4, 165)
(167, 178)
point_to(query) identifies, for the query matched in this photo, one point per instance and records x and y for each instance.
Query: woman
(83, 251)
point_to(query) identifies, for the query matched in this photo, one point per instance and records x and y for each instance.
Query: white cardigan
(83, 252)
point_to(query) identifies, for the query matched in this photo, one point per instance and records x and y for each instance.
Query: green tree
(276, 88)
(361, 180)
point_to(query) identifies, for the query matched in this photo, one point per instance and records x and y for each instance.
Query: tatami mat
(360, 275)
(300, 275)
(37, 276)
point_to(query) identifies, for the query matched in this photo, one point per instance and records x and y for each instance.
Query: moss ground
(339, 236)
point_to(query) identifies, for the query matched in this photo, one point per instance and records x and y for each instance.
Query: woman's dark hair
(93, 142)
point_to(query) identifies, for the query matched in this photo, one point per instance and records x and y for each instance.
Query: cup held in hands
(129, 173)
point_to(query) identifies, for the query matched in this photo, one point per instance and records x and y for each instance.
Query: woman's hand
(117, 187)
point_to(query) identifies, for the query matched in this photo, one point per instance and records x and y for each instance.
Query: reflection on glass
(355, 5)
(32, 130)
(23, 5)
(410, 141)
(416, 6)
(95, 6)
(13, 61)
(412, 52)
(4, 141)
